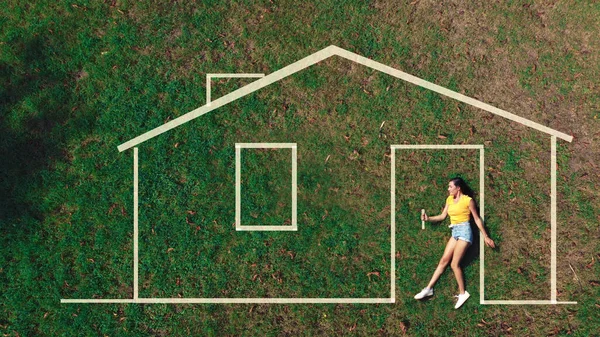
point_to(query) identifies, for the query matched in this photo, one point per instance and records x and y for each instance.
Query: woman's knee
(444, 261)
(455, 266)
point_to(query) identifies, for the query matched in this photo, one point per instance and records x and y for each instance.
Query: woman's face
(452, 189)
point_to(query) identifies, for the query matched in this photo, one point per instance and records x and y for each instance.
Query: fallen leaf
(591, 263)
(403, 327)
(442, 137)
(170, 250)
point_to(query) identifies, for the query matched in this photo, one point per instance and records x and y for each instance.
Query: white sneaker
(424, 293)
(462, 298)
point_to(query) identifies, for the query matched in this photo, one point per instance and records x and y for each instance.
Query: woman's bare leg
(459, 252)
(446, 258)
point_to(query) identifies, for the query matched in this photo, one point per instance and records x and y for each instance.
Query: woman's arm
(436, 218)
(489, 242)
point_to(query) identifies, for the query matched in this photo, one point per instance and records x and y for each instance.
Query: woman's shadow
(474, 249)
(472, 252)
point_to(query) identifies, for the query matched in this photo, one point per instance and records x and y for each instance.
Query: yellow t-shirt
(458, 212)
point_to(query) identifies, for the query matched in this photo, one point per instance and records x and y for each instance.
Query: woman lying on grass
(459, 205)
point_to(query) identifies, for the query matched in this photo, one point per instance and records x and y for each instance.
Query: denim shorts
(462, 231)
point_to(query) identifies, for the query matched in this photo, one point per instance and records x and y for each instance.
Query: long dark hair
(464, 188)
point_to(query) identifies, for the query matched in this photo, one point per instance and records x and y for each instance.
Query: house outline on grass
(291, 69)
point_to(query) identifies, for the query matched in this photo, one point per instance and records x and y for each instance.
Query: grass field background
(81, 78)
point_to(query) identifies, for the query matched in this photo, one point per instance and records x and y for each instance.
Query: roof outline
(209, 78)
(319, 56)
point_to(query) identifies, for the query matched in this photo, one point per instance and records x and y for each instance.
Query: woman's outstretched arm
(488, 241)
(436, 218)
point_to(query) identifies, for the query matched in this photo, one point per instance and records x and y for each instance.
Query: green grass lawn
(79, 79)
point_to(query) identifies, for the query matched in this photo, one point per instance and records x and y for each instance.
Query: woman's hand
(424, 217)
(489, 242)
